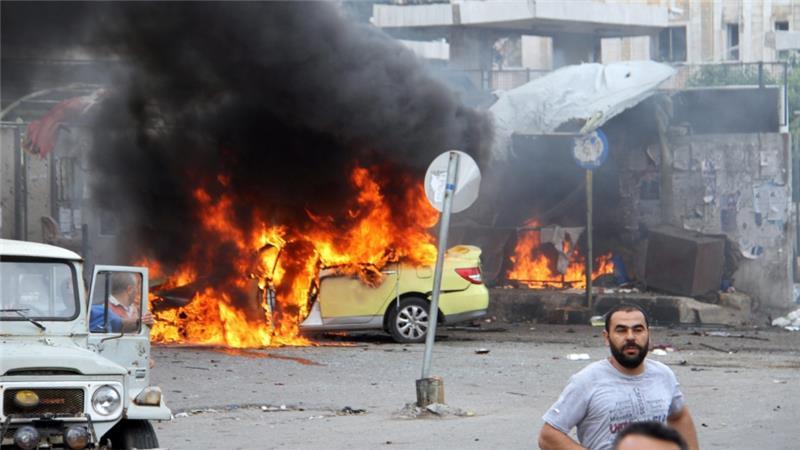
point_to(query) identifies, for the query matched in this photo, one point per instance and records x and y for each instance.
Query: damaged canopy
(571, 98)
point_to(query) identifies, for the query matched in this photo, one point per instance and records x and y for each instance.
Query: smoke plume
(280, 99)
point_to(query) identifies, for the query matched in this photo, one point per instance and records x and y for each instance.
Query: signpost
(451, 185)
(590, 151)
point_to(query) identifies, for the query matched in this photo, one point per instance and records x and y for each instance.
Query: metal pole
(589, 256)
(19, 187)
(450, 187)
(786, 106)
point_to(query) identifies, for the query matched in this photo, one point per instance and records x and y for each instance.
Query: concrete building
(539, 35)
(495, 38)
(717, 31)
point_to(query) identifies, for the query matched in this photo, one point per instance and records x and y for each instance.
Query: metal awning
(582, 96)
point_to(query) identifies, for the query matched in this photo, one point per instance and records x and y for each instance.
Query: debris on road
(482, 351)
(659, 352)
(348, 411)
(412, 411)
(664, 347)
(722, 350)
(789, 322)
(578, 356)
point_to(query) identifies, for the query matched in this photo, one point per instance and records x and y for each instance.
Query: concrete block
(736, 300)
(569, 315)
(693, 311)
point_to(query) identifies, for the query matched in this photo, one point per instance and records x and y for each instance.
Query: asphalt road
(743, 389)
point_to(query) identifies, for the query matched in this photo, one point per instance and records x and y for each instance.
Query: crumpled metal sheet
(573, 94)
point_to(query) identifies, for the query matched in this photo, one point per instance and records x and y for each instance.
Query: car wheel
(133, 434)
(408, 321)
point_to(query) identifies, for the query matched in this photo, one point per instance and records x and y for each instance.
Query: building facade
(547, 34)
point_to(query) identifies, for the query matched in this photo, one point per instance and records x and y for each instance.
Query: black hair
(626, 307)
(653, 429)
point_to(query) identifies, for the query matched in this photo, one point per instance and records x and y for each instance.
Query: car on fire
(400, 303)
(62, 385)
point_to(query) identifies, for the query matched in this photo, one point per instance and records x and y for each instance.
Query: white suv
(62, 386)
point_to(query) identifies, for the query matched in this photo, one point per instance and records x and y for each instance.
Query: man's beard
(630, 362)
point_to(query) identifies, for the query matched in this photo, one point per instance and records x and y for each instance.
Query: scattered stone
(789, 322)
(436, 408)
(348, 411)
(412, 411)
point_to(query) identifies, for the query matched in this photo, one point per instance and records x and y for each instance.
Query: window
(109, 223)
(37, 290)
(782, 25)
(733, 41)
(672, 44)
(116, 304)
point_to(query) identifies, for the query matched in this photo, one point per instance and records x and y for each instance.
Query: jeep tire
(133, 434)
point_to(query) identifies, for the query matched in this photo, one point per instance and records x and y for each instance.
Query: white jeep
(62, 385)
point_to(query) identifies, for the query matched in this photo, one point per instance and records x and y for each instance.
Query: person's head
(649, 435)
(123, 286)
(627, 334)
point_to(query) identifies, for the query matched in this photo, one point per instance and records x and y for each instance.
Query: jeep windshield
(38, 290)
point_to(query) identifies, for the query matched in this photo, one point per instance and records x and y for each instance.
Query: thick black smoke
(283, 98)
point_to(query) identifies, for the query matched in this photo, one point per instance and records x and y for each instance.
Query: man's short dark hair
(653, 429)
(626, 307)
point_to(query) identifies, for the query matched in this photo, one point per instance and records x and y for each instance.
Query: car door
(128, 347)
(347, 299)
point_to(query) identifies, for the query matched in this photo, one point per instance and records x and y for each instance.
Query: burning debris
(247, 145)
(549, 257)
(285, 261)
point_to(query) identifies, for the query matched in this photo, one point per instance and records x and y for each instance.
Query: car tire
(133, 434)
(408, 321)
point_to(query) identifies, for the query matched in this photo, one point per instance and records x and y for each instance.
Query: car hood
(41, 356)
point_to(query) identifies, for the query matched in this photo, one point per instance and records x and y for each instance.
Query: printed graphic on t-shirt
(636, 408)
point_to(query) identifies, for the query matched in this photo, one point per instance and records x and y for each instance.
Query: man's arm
(552, 438)
(683, 423)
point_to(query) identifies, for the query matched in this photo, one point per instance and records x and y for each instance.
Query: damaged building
(699, 164)
(692, 203)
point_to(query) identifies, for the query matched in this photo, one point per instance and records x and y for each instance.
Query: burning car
(62, 384)
(399, 304)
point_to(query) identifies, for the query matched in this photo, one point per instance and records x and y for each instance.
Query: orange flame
(284, 260)
(532, 267)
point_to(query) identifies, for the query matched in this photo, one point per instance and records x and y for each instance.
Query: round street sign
(591, 150)
(467, 182)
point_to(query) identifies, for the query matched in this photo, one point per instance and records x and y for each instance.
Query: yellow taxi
(400, 303)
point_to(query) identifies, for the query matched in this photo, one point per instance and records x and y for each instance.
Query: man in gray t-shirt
(607, 395)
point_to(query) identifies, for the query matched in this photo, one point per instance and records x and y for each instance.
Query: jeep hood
(39, 356)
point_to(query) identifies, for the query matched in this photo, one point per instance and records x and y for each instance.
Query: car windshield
(43, 290)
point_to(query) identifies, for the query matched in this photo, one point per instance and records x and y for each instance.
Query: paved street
(307, 398)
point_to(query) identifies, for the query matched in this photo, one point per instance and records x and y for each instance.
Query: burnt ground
(741, 384)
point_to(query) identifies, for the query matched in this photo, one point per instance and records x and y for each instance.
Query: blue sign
(591, 150)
